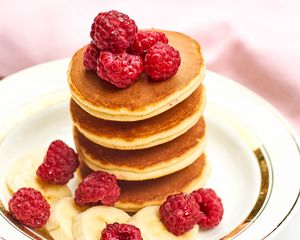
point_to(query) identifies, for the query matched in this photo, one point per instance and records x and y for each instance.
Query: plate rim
(295, 207)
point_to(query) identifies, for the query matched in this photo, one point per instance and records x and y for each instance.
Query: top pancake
(145, 98)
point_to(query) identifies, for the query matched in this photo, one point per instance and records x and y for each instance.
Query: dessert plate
(254, 154)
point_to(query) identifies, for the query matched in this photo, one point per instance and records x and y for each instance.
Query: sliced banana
(60, 223)
(89, 224)
(23, 174)
(151, 227)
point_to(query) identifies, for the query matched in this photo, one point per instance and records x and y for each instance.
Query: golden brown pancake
(146, 163)
(144, 99)
(138, 194)
(141, 134)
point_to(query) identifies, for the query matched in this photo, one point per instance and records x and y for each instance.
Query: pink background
(256, 43)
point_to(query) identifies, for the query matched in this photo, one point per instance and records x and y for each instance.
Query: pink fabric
(255, 42)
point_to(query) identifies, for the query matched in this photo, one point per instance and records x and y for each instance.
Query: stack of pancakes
(151, 136)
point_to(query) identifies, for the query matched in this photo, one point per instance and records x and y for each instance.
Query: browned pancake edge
(138, 194)
(129, 131)
(142, 158)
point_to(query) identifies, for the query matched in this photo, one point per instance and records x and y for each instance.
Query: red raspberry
(90, 57)
(211, 208)
(179, 213)
(113, 31)
(162, 61)
(121, 232)
(98, 188)
(121, 70)
(29, 207)
(59, 164)
(145, 40)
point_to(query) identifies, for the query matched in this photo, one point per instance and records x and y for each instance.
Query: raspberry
(118, 231)
(121, 70)
(179, 213)
(90, 57)
(113, 31)
(161, 61)
(29, 207)
(145, 40)
(98, 188)
(59, 164)
(211, 208)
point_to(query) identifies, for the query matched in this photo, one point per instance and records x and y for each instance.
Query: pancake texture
(138, 194)
(143, 164)
(141, 134)
(145, 98)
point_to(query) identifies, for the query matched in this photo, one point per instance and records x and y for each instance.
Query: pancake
(141, 134)
(145, 98)
(134, 165)
(138, 194)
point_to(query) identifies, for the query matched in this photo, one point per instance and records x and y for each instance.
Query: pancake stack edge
(152, 157)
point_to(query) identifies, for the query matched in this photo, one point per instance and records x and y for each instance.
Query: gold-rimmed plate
(251, 149)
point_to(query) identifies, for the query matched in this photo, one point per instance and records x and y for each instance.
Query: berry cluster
(29, 206)
(119, 52)
(181, 212)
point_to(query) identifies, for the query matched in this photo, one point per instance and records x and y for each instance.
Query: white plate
(254, 154)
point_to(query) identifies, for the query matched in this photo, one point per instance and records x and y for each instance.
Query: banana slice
(148, 221)
(23, 174)
(89, 224)
(60, 223)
